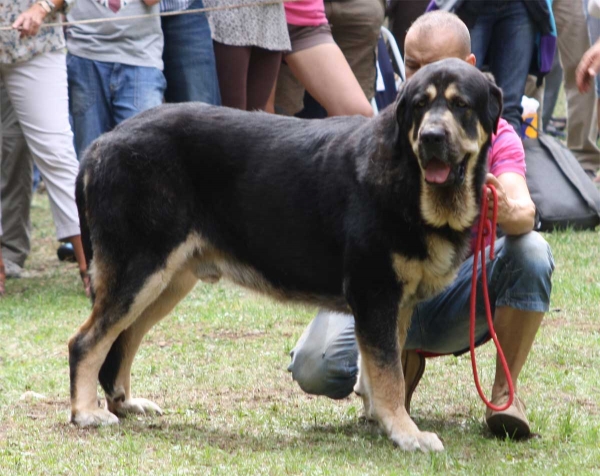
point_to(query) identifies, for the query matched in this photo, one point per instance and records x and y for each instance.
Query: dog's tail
(83, 223)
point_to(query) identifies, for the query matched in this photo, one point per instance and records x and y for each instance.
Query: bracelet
(47, 5)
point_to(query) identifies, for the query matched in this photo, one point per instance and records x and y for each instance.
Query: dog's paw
(92, 418)
(423, 441)
(429, 442)
(136, 406)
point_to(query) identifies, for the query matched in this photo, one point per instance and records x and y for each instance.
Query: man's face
(421, 49)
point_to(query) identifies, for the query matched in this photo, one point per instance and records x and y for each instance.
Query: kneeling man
(324, 361)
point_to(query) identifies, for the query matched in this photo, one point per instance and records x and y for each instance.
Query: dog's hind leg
(115, 374)
(122, 296)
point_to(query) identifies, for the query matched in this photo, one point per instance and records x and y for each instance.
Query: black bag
(563, 193)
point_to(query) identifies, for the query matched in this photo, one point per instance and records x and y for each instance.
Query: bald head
(435, 36)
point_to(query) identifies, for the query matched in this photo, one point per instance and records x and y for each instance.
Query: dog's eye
(460, 103)
(421, 103)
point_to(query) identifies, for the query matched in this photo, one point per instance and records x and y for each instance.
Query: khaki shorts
(305, 37)
(355, 26)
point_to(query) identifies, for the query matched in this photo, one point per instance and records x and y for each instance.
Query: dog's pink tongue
(437, 171)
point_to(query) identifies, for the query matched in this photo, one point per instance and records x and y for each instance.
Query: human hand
(28, 22)
(588, 68)
(505, 205)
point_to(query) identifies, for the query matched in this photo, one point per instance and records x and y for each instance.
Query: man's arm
(516, 210)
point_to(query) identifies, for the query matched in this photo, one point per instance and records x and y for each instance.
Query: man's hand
(516, 211)
(588, 68)
(505, 205)
(30, 20)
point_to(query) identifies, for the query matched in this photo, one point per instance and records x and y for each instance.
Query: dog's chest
(422, 279)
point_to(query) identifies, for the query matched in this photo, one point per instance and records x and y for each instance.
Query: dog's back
(270, 192)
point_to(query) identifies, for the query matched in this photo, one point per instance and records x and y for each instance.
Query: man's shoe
(413, 366)
(511, 422)
(13, 270)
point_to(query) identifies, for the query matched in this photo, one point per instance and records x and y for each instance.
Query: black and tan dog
(367, 215)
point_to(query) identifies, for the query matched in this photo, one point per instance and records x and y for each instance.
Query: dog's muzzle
(436, 158)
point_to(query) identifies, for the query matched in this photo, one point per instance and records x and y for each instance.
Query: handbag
(563, 193)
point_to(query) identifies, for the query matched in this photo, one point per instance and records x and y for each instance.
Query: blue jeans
(324, 361)
(503, 37)
(189, 58)
(101, 95)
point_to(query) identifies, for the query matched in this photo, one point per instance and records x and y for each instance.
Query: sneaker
(413, 366)
(13, 270)
(511, 422)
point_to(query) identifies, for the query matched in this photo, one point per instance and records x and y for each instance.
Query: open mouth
(439, 172)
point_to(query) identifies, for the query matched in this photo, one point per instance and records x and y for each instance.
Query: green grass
(217, 366)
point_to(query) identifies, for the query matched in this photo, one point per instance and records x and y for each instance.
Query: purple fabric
(432, 6)
(546, 52)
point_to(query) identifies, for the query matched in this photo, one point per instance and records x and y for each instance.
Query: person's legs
(514, 31)
(262, 74)
(16, 168)
(582, 119)
(232, 70)
(356, 26)
(38, 91)
(324, 360)
(552, 83)
(325, 73)
(89, 100)
(135, 89)
(189, 58)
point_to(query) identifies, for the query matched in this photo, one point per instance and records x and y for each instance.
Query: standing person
(188, 55)
(114, 68)
(355, 27)
(248, 44)
(16, 171)
(32, 66)
(324, 361)
(503, 35)
(582, 113)
(319, 64)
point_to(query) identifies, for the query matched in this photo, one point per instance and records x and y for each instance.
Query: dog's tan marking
(383, 394)
(451, 92)
(121, 402)
(431, 92)
(426, 278)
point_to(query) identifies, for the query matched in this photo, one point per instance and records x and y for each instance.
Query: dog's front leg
(381, 331)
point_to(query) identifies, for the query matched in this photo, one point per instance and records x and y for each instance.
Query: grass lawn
(217, 366)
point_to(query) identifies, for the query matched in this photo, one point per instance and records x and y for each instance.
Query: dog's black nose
(433, 135)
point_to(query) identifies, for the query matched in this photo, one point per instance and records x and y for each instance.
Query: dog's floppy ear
(400, 105)
(494, 101)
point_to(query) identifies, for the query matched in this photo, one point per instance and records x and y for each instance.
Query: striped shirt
(174, 5)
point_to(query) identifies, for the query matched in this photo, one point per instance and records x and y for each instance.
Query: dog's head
(450, 110)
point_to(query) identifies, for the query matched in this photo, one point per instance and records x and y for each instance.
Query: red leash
(484, 230)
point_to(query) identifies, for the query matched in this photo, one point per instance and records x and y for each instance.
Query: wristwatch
(47, 5)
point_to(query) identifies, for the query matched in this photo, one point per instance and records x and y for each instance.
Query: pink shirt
(305, 13)
(506, 155)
